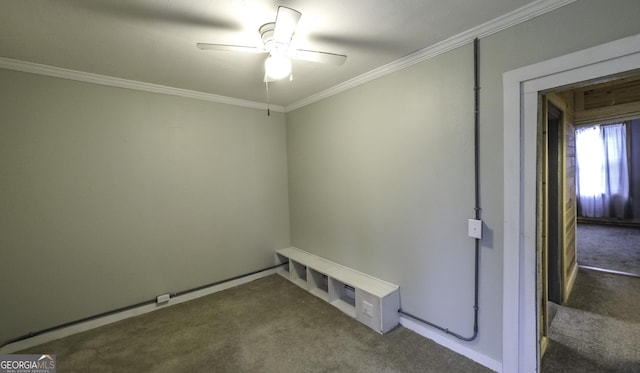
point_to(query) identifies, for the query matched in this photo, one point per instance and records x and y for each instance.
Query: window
(602, 170)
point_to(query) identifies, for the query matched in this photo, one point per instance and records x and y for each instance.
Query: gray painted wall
(380, 176)
(109, 197)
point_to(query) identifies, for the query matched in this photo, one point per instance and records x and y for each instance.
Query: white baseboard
(95, 323)
(429, 333)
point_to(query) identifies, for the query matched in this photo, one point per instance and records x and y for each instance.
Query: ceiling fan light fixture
(277, 66)
(277, 45)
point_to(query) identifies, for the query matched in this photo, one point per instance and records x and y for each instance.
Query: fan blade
(286, 22)
(226, 47)
(320, 57)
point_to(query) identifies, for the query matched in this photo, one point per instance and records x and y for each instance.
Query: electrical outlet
(367, 308)
(475, 228)
(163, 298)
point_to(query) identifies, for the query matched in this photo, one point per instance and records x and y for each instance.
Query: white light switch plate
(475, 228)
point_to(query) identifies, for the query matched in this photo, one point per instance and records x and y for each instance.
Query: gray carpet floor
(268, 325)
(609, 247)
(599, 328)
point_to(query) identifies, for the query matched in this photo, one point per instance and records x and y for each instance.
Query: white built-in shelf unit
(372, 301)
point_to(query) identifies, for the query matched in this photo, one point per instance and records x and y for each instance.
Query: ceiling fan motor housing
(270, 44)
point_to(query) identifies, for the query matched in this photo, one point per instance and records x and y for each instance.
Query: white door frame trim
(520, 98)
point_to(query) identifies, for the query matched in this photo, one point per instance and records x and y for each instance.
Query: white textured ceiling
(154, 41)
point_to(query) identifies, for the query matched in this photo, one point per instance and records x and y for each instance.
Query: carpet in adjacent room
(609, 247)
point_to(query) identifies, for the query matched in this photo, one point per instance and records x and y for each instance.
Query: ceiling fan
(276, 43)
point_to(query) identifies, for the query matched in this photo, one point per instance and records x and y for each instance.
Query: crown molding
(496, 25)
(58, 72)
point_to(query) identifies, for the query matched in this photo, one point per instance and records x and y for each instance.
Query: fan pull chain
(268, 99)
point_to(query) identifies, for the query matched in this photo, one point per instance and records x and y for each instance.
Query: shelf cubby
(342, 296)
(284, 269)
(298, 273)
(318, 284)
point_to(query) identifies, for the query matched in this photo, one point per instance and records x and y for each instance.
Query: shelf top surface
(339, 272)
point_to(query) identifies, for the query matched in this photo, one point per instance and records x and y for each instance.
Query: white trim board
(95, 323)
(442, 340)
(513, 18)
(81, 76)
(521, 88)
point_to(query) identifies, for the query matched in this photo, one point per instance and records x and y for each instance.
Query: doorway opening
(521, 342)
(578, 176)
